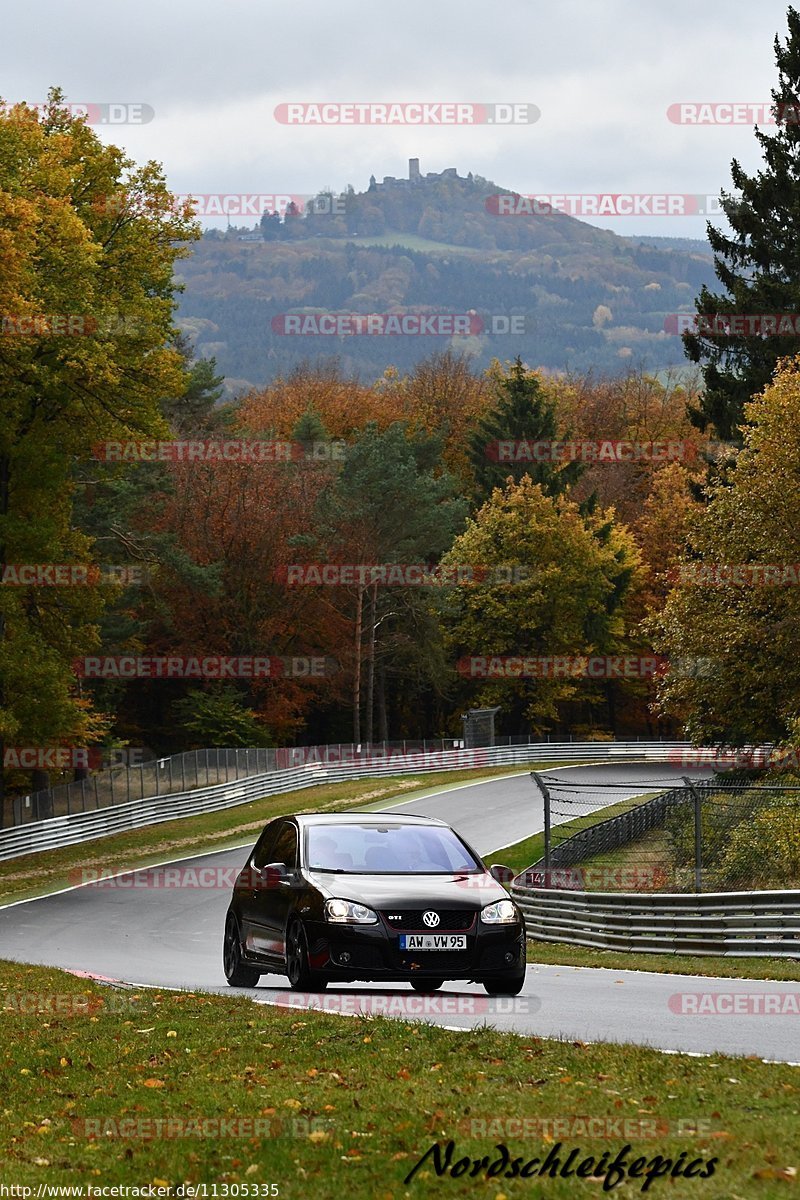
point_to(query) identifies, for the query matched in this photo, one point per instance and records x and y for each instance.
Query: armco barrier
(749, 924)
(82, 827)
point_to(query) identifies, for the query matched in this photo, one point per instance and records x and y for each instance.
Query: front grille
(451, 920)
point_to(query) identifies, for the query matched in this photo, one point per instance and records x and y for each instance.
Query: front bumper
(372, 953)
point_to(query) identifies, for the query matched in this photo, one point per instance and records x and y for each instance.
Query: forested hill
(582, 297)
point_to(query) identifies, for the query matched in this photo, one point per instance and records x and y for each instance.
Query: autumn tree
(633, 408)
(574, 575)
(343, 405)
(88, 246)
(662, 530)
(734, 637)
(443, 396)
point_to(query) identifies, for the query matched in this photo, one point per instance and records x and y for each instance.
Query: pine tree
(522, 414)
(758, 264)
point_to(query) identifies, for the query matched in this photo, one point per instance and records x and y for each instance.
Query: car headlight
(345, 912)
(502, 912)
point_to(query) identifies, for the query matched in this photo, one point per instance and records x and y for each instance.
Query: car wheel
(301, 977)
(509, 985)
(237, 973)
(426, 985)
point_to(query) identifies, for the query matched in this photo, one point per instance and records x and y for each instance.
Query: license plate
(433, 941)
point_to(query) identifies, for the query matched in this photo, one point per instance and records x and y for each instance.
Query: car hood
(411, 891)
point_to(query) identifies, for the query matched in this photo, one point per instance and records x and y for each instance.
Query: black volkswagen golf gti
(338, 897)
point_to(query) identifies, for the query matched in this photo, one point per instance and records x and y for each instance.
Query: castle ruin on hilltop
(414, 177)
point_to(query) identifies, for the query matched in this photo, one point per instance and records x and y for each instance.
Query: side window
(265, 847)
(285, 850)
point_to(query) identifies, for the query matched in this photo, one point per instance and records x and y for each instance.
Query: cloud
(602, 75)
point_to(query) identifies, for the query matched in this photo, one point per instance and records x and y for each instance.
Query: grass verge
(324, 1106)
(522, 854)
(38, 874)
(719, 966)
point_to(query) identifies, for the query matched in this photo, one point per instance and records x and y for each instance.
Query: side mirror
(272, 875)
(502, 874)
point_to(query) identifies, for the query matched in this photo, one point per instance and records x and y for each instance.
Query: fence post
(698, 834)
(543, 788)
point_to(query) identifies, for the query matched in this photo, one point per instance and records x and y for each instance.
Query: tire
(301, 977)
(508, 985)
(237, 972)
(426, 985)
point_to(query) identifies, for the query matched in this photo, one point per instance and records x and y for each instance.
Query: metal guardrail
(83, 826)
(193, 769)
(749, 924)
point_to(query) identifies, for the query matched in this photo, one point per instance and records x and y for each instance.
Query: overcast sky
(602, 74)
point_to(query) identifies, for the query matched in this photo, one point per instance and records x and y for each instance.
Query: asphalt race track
(144, 930)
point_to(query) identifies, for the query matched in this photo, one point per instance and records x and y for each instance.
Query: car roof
(359, 818)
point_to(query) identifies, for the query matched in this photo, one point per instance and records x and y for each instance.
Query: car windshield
(388, 849)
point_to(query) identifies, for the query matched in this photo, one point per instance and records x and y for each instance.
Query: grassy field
(325, 1106)
(37, 874)
(412, 241)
